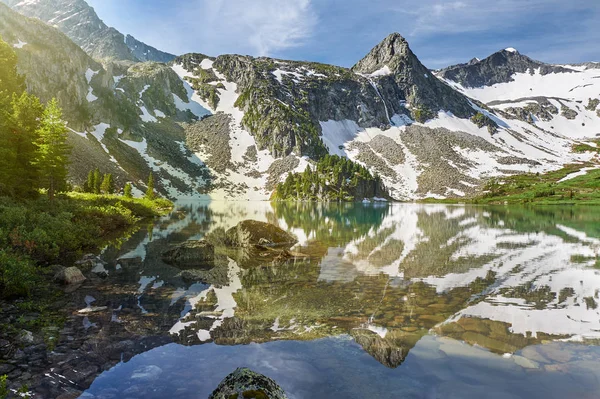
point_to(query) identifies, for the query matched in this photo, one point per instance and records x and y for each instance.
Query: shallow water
(402, 300)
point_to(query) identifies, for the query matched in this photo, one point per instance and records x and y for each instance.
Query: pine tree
(89, 185)
(26, 117)
(97, 181)
(150, 189)
(127, 191)
(108, 184)
(53, 150)
(11, 84)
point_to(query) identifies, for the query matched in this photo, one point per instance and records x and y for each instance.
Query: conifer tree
(53, 150)
(150, 189)
(24, 125)
(127, 190)
(108, 184)
(97, 181)
(11, 84)
(89, 185)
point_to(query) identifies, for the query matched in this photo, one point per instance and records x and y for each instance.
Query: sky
(341, 32)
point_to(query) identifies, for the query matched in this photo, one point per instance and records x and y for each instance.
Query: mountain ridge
(79, 21)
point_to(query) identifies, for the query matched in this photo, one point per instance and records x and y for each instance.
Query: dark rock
(251, 233)
(190, 253)
(245, 383)
(69, 275)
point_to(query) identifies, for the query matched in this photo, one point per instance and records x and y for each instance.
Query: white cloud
(260, 26)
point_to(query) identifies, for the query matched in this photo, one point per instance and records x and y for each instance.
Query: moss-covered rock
(244, 383)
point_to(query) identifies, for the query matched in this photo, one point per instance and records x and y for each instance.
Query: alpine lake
(389, 301)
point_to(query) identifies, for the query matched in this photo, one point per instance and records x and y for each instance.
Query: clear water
(402, 300)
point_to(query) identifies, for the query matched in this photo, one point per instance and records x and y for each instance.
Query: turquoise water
(402, 300)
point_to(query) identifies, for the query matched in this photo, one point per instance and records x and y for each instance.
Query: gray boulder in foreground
(251, 233)
(69, 276)
(190, 253)
(245, 383)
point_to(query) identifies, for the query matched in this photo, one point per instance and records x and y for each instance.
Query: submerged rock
(69, 276)
(245, 383)
(252, 233)
(190, 253)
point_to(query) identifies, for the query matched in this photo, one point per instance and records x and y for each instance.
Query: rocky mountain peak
(497, 68)
(387, 53)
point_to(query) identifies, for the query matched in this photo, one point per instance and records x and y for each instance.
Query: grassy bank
(38, 233)
(546, 189)
(540, 189)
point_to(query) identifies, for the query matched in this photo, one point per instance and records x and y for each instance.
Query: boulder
(245, 383)
(69, 276)
(190, 254)
(252, 233)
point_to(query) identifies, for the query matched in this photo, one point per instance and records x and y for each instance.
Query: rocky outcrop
(245, 383)
(190, 254)
(251, 233)
(497, 68)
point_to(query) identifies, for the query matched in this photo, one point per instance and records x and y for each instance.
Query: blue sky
(342, 31)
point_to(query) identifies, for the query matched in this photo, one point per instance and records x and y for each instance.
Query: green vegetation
(482, 120)
(334, 179)
(544, 188)
(422, 114)
(127, 190)
(150, 190)
(38, 233)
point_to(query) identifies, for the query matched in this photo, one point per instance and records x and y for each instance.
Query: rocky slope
(80, 22)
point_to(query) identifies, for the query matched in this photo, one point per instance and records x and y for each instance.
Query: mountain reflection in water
(499, 291)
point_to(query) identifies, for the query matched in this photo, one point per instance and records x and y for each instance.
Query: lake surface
(395, 301)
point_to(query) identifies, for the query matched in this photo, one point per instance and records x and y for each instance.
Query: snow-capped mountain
(234, 126)
(388, 112)
(79, 21)
(561, 99)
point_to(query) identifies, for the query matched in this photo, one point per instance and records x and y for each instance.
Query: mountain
(80, 22)
(233, 127)
(143, 52)
(562, 99)
(400, 75)
(499, 67)
(123, 117)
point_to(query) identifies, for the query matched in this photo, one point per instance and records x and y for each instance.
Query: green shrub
(18, 276)
(422, 114)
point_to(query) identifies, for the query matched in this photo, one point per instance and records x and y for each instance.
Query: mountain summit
(401, 75)
(497, 68)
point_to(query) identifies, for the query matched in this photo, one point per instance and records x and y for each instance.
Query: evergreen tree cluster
(99, 183)
(33, 138)
(335, 178)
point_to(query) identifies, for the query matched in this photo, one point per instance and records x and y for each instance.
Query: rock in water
(70, 275)
(251, 233)
(190, 253)
(245, 383)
